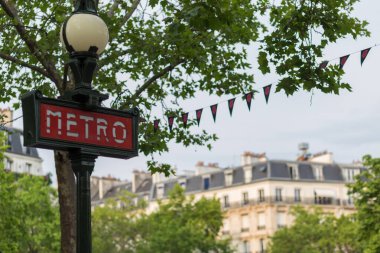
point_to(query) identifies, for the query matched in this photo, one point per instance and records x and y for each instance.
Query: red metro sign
(58, 124)
(80, 126)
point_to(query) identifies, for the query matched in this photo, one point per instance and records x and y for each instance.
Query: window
(206, 183)
(318, 173)
(293, 172)
(297, 195)
(261, 195)
(350, 175)
(182, 183)
(245, 223)
(281, 220)
(226, 226)
(262, 248)
(261, 221)
(278, 194)
(323, 197)
(160, 191)
(350, 200)
(228, 178)
(8, 164)
(28, 168)
(245, 198)
(226, 201)
(244, 248)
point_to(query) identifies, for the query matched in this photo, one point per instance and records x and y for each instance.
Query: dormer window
(293, 172)
(318, 172)
(206, 183)
(229, 178)
(182, 183)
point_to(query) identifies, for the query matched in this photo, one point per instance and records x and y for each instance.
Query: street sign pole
(83, 164)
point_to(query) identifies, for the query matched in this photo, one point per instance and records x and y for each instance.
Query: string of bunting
(249, 96)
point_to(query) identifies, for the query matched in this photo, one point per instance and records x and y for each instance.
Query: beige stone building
(17, 157)
(257, 195)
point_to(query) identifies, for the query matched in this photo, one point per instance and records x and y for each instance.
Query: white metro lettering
(101, 128)
(119, 124)
(48, 120)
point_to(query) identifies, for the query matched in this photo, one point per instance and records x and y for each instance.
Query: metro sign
(65, 125)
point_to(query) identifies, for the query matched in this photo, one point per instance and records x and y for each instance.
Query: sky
(347, 125)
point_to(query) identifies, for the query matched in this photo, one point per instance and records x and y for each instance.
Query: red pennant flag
(214, 109)
(156, 124)
(248, 98)
(185, 117)
(171, 122)
(199, 115)
(343, 61)
(231, 104)
(323, 65)
(364, 54)
(267, 92)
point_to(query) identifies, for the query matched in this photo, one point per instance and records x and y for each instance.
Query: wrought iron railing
(323, 201)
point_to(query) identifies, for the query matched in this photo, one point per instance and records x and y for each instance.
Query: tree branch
(133, 9)
(152, 80)
(12, 12)
(24, 64)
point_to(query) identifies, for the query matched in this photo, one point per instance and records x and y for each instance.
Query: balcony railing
(323, 201)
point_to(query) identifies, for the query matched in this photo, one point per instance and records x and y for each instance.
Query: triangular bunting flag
(171, 122)
(231, 104)
(364, 54)
(199, 115)
(185, 117)
(214, 109)
(267, 92)
(343, 61)
(156, 124)
(248, 97)
(323, 65)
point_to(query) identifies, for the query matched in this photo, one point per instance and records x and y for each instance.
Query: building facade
(258, 195)
(17, 158)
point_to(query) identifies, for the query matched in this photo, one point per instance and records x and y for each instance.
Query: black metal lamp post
(85, 36)
(76, 122)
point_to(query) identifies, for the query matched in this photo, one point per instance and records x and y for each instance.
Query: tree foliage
(163, 52)
(180, 225)
(29, 218)
(316, 232)
(366, 191)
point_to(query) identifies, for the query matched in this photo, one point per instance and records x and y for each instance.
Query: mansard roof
(270, 170)
(15, 144)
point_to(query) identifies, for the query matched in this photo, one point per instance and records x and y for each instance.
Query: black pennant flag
(363, 55)
(343, 61)
(156, 124)
(214, 109)
(267, 92)
(171, 122)
(185, 117)
(248, 98)
(323, 65)
(199, 115)
(231, 104)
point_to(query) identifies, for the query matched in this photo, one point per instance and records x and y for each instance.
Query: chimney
(202, 168)
(248, 158)
(6, 117)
